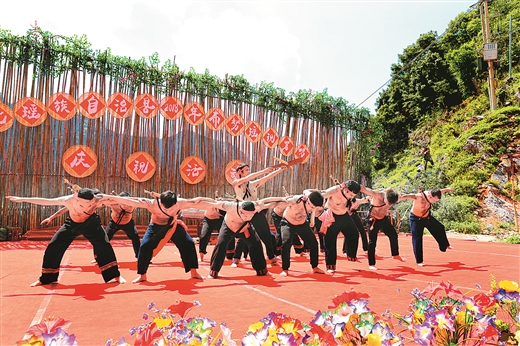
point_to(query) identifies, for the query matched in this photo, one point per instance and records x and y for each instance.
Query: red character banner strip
(92, 105)
(194, 113)
(146, 106)
(215, 119)
(6, 117)
(79, 161)
(286, 145)
(253, 131)
(193, 169)
(171, 107)
(30, 111)
(235, 125)
(62, 106)
(120, 105)
(140, 166)
(270, 138)
(302, 152)
(231, 170)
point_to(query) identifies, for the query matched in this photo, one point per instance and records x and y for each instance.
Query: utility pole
(490, 48)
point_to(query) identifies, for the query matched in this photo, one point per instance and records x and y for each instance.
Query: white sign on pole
(490, 51)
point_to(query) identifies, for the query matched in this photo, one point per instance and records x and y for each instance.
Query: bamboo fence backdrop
(31, 162)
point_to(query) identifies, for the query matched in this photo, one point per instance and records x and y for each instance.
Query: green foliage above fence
(54, 54)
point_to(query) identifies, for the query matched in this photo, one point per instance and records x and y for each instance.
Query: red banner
(140, 166)
(92, 105)
(6, 117)
(79, 161)
(146, 106)
(62, 106)
(171, 107)
(193, 169)
(30, 111)
(120, 105)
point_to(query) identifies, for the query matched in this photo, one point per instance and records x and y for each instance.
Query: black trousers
(344, 224)
(225, 235)
(289, 231)
(154, 234)
(130, 231)
(90, 229)
(208, 226)
(386, 227)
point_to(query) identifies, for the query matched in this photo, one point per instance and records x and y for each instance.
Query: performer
(246, 189)
(421, 218)
(84, 220)
(121, 218)
(381, 201)
(237, 224)
(212, 221)
(164, 208)
(276, 216)
(294, 221)
(356, 202)
(336, 218)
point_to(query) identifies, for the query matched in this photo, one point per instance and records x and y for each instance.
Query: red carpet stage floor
(100, 311)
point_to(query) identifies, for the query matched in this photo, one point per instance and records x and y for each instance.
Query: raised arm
(368, 191)
(269, 176)
(252, 176)
(48, 220)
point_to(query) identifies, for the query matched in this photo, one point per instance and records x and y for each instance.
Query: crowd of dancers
(311, 220)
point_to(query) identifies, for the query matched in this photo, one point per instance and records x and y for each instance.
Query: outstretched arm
(48, 220)
(448, 189)
(271, 202)
(39, 200)
(271, 175)
(407, 197)
(135, 202)
(252, 176)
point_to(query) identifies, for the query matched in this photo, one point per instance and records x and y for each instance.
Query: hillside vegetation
(438, 98)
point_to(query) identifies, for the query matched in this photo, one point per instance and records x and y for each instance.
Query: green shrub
(514, 239)
(466, 227)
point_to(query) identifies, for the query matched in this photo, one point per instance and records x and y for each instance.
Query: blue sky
(346, 47)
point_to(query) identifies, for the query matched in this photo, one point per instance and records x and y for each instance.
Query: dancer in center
(164, 208)
(336, 218)
(294, 222)
(246, 189)
(237, 222)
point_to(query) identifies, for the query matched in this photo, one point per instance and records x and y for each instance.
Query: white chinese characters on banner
(79, 159)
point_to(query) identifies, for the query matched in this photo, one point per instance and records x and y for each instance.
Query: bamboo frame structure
(31, 156)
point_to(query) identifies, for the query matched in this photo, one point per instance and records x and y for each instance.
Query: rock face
(495, 206)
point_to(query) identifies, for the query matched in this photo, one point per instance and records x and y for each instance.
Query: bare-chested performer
(276, 216)
(237, 225)
(84, 220)
(421, 217)
(246, 189)
(381, 202)
(164, 209)
(121, 218)
(336, 218)
(294, 222)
